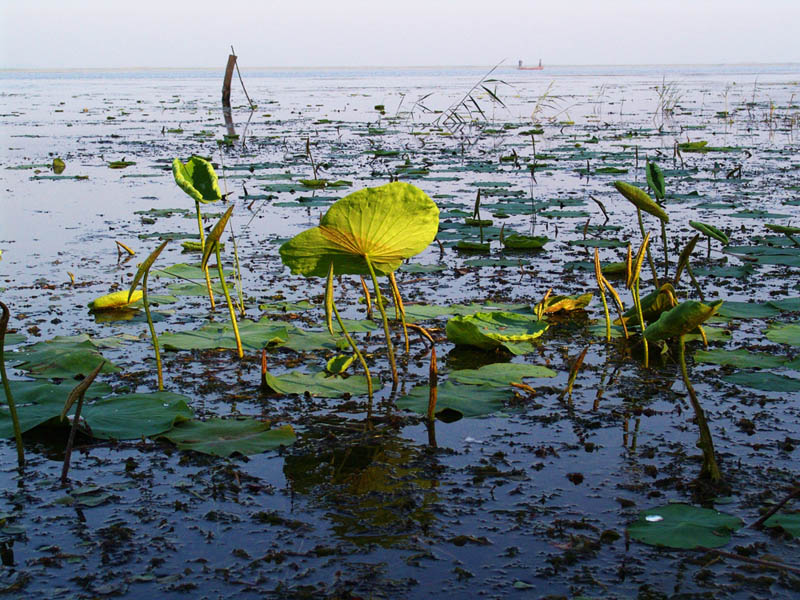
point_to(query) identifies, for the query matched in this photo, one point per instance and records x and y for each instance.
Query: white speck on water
(654, 518)
(472, 440)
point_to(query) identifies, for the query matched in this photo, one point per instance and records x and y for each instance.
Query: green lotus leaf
(197, 178)
(680, 320)
(40, 401)
(472, 401)
(489, 331)
(500, 374)
(134, 416)
(254, 336)
(516, 241)
(655, 179)
(710, 231)
(339, 363)
(115, 300)
(766, 382)
(385, 224)
(223, 437)
(700, 146)
(784, 333)
(653, 304)
(786, 304)
(684, 526)
(785, 229)
(467, 246)
(747, 310)
(789, 522)
(63, 357)
(319, 384)
(639, 198)
(556, 304)
(742, 359)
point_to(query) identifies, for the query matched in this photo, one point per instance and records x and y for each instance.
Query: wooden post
(226, 95)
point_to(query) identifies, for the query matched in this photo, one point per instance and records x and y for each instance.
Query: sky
(42, 34)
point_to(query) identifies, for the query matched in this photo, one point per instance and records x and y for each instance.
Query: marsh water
(532, 498)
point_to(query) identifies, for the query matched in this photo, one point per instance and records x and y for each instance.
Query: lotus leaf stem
(649, 256)
(433, 385)
(706, 444)
(203, 248)
(599, 276)
(638, 303)
(367, 297)
(400, 310)
(12, 407)
(152, 330)
(76, 396)
(694, 283)
(666, 252)
(237, 273)
(379, 300)
(231, 310)
(355, 350)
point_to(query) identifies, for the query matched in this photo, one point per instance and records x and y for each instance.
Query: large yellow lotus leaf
(385, 224)
(115, 300)
(197, 178)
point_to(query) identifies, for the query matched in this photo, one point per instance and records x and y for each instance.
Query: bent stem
(387, 333)
(638, 303)
(400, 310)
(649, 256)
(710, 469)
(203, 246)
(231, 310)
(12, 407)
(599, 276)
(152, 330)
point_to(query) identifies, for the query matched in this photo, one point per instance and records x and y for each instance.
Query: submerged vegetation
(533, 436)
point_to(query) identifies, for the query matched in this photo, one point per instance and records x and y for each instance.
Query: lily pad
(489, 331)
(743, 359)
(500, 374)
(62, 357)
(321, 384)
(224, 437)
(784, 333)
(254, 336)
(789, 522)
(517, 241)
(766, 382)
(684, 526)
(134, 416)
(472, 401)
(747, 310)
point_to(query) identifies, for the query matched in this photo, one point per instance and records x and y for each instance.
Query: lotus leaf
(682, 319)
(467, 246)
(785, 229)
(320, 385)
(339, 364)
(556, 304)
(789, 522)
(223, 437)
(516, 241)
(639, 198)
(684, 526)
(500, 374)
(743, 359)
(254, 335)
(115, 300)
(784, 333)
(489, 331)
(655, 179)
(747, 310)
(63, 357)
(385, 224)
(134, 416)
(472, 401)
(766, 382)
(710, 231)
(653, 304)
(39, 401)
(197, 178)
(786, 304)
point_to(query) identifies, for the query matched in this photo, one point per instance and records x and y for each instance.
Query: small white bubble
(654, 518)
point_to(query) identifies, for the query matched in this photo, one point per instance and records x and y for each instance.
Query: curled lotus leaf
(655, 179)
(516, 241)
(385, 225)
(653, 305)
(197, 178)
(785, 229)
(710, 231)
(639, 198)
(115, 300)
(554, 304)
(489, 331)
(682, 319)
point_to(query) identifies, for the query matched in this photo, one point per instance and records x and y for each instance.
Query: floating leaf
(766, 382)
(115, 300)
(386, 224)
(197, 178)
(784, 333)
(472, 401)
(489, 331)
(684, 526)
(134, 416)
(223, 437)
(63, 357)
(554, 304)
(321, 384)
(743, 359)
(747, 310)
(500, 374)
(789, 522)
(254, 336)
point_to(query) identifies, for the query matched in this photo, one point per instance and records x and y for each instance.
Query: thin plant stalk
(599, 276)
(696, 285)
(237, 274)
(433, 385)
(76, 395)
(152, 330)
(367, 297)
(399, 308)
(203, 247)
(617, 302)
(638, 303)
(231, 310)
(649, 256)
(386, 331)
(12, 407)
(710, 468)
(666, 253)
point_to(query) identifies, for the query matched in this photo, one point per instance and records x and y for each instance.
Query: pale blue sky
(162, 33)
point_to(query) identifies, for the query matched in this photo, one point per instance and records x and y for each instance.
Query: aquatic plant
(603, 284)
(677, 323)
(141, 275)
(115, 300)
(75, 397)
(198, 179)
(655, 181)
(212, 245)
(369, 232)
(639, 198)
(710, 232)
(12, 407)
(633, 267)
